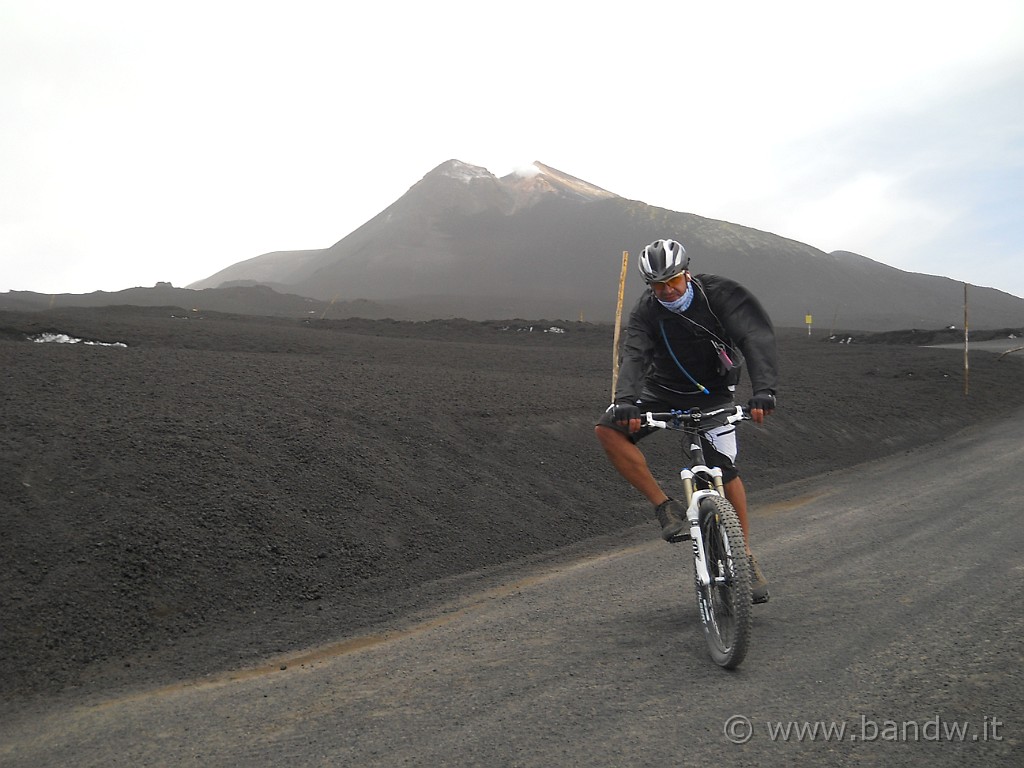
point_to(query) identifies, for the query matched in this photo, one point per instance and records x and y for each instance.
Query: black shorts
(725, 437)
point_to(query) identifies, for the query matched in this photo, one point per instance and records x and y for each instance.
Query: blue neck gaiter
(681, 304)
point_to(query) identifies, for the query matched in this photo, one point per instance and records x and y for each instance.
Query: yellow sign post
(808, 319)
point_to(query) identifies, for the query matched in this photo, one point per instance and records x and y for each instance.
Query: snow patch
(63, 338)
(530, 328)
(465, 172)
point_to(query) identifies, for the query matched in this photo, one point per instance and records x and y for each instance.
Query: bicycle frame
(722, 573)
(696, 474)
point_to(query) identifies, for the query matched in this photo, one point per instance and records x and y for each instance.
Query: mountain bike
(722, 571)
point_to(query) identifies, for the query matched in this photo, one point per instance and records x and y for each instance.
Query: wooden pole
(618, 323)
(966, 365)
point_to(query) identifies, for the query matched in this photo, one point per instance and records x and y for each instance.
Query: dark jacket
(722, 316)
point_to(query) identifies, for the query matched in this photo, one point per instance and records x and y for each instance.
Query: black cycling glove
(762, 401)
(624, 411)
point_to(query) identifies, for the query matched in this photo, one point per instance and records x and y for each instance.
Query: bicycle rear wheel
(725, 604)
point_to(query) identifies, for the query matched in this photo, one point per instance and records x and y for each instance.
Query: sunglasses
(676, 283)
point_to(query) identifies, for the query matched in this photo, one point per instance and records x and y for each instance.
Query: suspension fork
(694, 498)
(696, 453)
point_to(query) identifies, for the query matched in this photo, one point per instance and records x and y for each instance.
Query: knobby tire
(725, 608)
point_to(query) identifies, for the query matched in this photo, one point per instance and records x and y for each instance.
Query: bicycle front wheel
(725, 603)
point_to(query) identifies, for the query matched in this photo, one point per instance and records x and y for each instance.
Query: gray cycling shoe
(671, 515)
(758, 583)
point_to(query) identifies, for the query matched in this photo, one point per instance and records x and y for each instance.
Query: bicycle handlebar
(678, 419)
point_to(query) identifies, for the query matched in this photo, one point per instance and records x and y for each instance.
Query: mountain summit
(541, 180)
(541, 243)
(455, 186)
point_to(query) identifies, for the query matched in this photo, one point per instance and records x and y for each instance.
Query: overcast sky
(147, 141)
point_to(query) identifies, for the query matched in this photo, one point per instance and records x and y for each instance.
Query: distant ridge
(239, 299)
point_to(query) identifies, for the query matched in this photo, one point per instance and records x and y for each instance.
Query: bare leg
(630, 462)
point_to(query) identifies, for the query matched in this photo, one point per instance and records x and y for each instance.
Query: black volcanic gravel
(228, 487)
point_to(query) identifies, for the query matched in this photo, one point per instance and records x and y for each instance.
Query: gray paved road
(895, 629)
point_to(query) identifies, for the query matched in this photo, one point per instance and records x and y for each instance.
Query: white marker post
(967, 368)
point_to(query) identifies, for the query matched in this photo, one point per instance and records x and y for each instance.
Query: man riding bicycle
(685, 340)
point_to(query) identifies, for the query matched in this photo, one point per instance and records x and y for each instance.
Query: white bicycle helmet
(662, 260)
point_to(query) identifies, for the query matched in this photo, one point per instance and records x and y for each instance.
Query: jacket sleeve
(634, 356)
(749, 326)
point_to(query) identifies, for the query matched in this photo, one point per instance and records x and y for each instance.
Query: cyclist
(685, 341)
